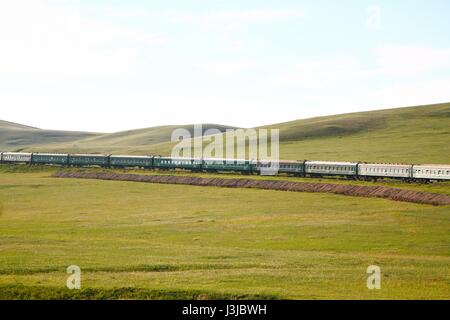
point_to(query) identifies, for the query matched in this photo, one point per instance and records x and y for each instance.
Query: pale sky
(109, 65)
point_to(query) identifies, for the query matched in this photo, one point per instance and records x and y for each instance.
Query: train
(302, 168)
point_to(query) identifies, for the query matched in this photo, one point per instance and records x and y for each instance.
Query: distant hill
(140, 141)
(11, 125)
(418, 134)
(18, 137)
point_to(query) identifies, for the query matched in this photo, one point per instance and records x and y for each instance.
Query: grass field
(152, 241)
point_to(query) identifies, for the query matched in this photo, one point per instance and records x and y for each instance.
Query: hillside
(140, 141)
(418, 134)
(17, 137)
(415, 135)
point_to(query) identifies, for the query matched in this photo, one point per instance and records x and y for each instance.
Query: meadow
(152, 241)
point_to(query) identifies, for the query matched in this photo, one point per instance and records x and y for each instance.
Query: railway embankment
(396, 194)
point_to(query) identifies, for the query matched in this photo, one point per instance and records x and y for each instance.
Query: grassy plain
(138, 240)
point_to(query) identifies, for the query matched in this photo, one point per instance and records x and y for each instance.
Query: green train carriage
(100, 160)
(167, 163)
(50, 158)
(131, 161)
(217, 165)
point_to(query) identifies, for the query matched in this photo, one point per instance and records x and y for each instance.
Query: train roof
(126, 156)
(176, 158)
(89, 155)
(224, 159)
(332, 163)
(51, 154)
(441, 166)
(18, 153)
(280, 161)
(385, 164)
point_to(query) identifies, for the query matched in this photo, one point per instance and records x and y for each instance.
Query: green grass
(150, 241)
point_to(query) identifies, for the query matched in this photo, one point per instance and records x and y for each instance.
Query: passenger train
(304, 168)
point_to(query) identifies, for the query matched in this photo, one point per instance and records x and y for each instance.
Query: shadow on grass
(21, 292)
(138, 268)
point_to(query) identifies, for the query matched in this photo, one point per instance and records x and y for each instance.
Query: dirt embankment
(344, 189)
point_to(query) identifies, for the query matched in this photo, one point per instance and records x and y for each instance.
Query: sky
(109, 65)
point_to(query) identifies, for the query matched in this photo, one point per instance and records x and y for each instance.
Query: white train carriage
(16, 157)
(431, 171)
(381, 170)
(331, 168)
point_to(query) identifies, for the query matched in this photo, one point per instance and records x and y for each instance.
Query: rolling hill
(414, 135)
(18, 137)
(419, 134)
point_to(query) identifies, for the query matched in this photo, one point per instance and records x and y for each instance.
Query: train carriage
(292, 167)
(385, 170)
(89, 160)
(50, 158)
(263, 167)
(431, 172)
(16, 157)
(131, 161)
(217, 165)
(325, 168)
(177, 163)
